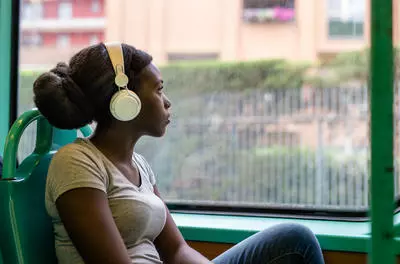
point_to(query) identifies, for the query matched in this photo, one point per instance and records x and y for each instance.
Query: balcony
(255, 11)
(59, 25)
(265, 15)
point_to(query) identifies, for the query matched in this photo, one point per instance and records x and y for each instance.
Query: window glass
(265, 114)
(95, 7)
(346, 18)
(65, 10)
(32, 11)
(31, 39)
(94, 39)
(63, 40)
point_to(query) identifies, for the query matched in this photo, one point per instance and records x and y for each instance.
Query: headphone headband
(116, 55)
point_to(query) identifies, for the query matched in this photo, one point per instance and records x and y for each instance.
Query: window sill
(345, 37)
(332, 235)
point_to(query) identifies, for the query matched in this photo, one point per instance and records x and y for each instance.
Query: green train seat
(26, 231)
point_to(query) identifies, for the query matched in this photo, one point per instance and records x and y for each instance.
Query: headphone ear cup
(125, 105)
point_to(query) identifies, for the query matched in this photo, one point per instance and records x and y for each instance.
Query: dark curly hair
(73, 96)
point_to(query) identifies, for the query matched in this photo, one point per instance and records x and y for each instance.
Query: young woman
(102, 196)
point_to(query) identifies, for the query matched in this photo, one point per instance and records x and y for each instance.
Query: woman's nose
(167, 102)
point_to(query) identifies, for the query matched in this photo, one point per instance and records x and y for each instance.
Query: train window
(270, 115)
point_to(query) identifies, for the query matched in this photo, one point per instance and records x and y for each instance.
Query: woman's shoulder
(80, 146)
(75, 165)
(79, 153)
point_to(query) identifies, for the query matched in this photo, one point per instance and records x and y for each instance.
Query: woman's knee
(291, 234)
(298, 231)
(293, 239)
(277, 244)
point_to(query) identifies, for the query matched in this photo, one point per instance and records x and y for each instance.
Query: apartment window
(94, 39)
(31, 39)
(32, 11)
(65, 10)
(95, 7)
(346, 18)
(63, 41)
(260, 11)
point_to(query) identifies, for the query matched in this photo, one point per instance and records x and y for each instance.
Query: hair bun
(61, 100)
(61, 70)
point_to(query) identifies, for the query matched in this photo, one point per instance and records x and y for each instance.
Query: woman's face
(154, 115)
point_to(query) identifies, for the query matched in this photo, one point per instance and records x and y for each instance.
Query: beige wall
(215, 26)
(207, 26)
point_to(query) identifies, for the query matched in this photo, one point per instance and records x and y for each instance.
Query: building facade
(297, 30)
(53, 30)
(301, 30)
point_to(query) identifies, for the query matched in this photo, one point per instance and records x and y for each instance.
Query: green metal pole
(5, 64)
(382, 168)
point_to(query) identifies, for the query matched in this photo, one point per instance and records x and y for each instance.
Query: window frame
(332, 235)
(9, 52)
(277, 211)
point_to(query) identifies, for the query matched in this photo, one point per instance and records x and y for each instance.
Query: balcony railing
(57, 25)
(265, 15)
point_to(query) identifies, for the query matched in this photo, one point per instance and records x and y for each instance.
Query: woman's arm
(173, 247)
(87, 218)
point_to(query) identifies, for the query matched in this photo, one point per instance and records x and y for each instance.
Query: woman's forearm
(187, 255)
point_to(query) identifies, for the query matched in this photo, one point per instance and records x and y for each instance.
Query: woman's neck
(116, 143)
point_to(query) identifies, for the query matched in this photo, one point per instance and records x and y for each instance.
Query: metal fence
(294, 147)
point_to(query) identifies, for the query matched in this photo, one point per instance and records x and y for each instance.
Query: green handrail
(382, 163)
(43, 140)
(43, 144)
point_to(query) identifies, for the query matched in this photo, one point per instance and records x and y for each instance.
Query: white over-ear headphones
(125, 105)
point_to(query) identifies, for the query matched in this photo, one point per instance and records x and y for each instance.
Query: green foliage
(188, 79)
(352, 66)
(194, 78)
(287, 75)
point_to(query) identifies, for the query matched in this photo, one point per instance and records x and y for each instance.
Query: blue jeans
(281, 244)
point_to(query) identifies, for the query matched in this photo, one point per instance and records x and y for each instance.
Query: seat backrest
(26, 233)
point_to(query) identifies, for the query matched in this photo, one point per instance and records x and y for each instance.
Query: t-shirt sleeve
(72, 168)
(146, 167)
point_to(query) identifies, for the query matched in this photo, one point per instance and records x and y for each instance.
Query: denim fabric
(281, 244)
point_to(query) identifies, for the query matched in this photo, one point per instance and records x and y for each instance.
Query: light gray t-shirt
(138, 213)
